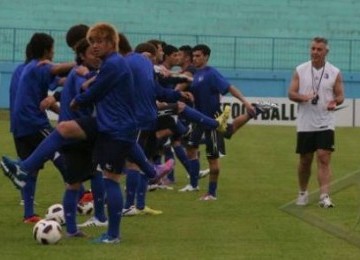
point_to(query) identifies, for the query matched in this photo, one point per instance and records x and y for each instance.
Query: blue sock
(132, 180)
(115, 206)
(69, 203)
(81, 191)
(169, 155)
(137, 155)
(141, 192)
(29, 193)
(181, 155)
(181, 128)
(195, 116)
(194, 172)
(98, 191)
(212, 188)
(44, 152)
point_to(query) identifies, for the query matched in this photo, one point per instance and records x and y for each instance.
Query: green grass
(258, 176)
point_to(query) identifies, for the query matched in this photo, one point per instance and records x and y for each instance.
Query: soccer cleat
(13, 171)
(262, 107)
(208, 197)
(325, 201)
(132, 211)
(93, 222)
(222, 119)
(149, 211)
(302, 199)
(204, 173)
(152, 187)
(106, 239)
(162, 170)
(189, 188)
(32, 220)
(78, 233)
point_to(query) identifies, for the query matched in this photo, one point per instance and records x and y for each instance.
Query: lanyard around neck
(314, 87)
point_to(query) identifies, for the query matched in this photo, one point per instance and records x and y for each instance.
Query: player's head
(171, 55)
(75, 34)
(85, 55)
(148, 50)
(185, 55)
(41, 46)
(103, 38)
(159, 45)
(201, 54)
(124, 45)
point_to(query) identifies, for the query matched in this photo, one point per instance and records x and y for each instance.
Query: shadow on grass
(334, 221)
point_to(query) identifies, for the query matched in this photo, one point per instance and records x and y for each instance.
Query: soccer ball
(47, 232)
(56, 212)
(85, 208)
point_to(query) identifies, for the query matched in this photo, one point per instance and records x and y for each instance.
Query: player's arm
(61, 68)
(293, 92)
(338, 93)
(237, 94)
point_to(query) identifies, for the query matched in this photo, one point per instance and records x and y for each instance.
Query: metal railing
(232, 52)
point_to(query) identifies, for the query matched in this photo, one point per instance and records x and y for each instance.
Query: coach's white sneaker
(303, 198)
(189, 188)
(325, 201)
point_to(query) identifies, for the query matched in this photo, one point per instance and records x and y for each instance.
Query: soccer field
(258, 177)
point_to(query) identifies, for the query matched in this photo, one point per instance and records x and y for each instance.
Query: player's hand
(47, 102)
(187, 95)
(250, 110)
(82, 70)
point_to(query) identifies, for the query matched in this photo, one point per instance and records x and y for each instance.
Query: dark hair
(146, 47)
(170, 49)
(156, 42)
(75, 34)
(39, 44)
(28, 53)
(187, 50)
(124, 45)
(203, 48)
(81, 48)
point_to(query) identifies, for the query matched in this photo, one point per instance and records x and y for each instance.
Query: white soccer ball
(47, 232)
(85, 208)
(56, 212)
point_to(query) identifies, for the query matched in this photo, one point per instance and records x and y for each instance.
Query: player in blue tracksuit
(207, 87)
(29, 124)
(112, 92)
(147, 91)
(78, 156)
